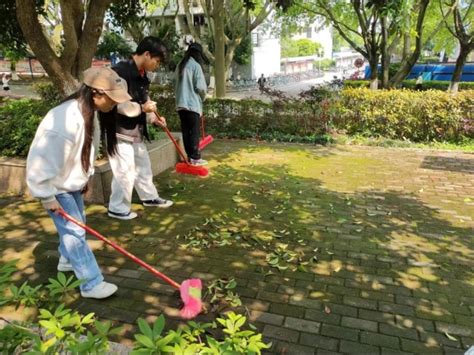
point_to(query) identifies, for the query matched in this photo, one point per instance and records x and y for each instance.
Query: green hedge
(395, 114)
(287, 120)
(18, 122)
(410, 84)
(406, 114)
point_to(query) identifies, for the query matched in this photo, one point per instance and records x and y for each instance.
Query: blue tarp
(442, 71)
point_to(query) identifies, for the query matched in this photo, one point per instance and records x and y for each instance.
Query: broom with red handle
(205, 140)
(183, 167)
(190, 290)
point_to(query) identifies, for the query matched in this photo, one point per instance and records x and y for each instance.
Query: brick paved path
(391, 231)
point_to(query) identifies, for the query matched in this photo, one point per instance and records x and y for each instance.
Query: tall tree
(229, 22)
(463, 30)
(82, 22)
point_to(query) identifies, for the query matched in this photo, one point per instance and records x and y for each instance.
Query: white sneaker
(198, 162)
(64, 265)
(123, 216)
(158, 202)
(102, 290)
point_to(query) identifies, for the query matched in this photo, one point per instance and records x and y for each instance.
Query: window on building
(309, 32)
(256, 39)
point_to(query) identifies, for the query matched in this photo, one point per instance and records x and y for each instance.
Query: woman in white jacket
(60, 162)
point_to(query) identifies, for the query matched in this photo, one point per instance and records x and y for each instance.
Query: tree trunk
(219, 45)
(374, 81)
(385, 54)
(80, 42)
(409, 62)
(463, 53)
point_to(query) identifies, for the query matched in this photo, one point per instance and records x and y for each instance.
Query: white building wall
(266, 57)
(320, 33)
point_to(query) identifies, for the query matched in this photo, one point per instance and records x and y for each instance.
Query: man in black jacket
(128, 156)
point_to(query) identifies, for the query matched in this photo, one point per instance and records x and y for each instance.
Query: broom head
(190, 291)
(185, 168)
(205, 141)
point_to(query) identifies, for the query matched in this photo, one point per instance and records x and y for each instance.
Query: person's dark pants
(190, 124)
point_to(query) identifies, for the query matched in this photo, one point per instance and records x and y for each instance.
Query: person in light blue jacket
(190, 93)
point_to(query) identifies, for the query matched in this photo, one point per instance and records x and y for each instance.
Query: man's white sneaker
(102, 290)
(158, 202)
(123, 216)
(64, 265)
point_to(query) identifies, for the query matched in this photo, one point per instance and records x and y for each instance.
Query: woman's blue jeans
(72, 240)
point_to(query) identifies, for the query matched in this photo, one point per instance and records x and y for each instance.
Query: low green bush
(19, 120)
(55, 329)
(410, 84)
(309, 118)
(437, 85)
(405, 114)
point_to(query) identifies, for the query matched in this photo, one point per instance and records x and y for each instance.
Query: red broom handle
(178, 148)
(120, 250)
(203, 133)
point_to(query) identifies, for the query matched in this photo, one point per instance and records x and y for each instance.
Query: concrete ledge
(162, 153)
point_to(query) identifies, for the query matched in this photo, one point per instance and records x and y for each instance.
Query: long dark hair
(85, 96)
(194, 51)
(108, 130)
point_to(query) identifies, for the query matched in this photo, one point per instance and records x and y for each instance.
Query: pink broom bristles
(190, 291)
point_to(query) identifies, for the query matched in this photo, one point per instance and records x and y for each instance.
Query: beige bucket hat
(108, 81)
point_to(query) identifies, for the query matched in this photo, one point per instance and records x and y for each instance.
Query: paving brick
(339, 332)
(385, 351)
(416, 323)
(287, 310)
(326, 352)
(359, 324)
(377, 316)
(307, 276)
(360, 302)
(398, 331)
(463, 320)
(375, 295)
(396, 308)
(268, 318)
(411, 301)
(281, 333)
(302, 325)
(290, 290)
(455, 329)
(433, 314)
(440, 339)
(330, 280)
(342, 310)
(273, 297)
(311, 285)
(341, 290)
(254, 304)
(261, 286)
(298, 300)
(322, 316)
(378, 339)
(357, 348)
(245, 292)
(319, 342)
(290, 348)
(419, 347)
